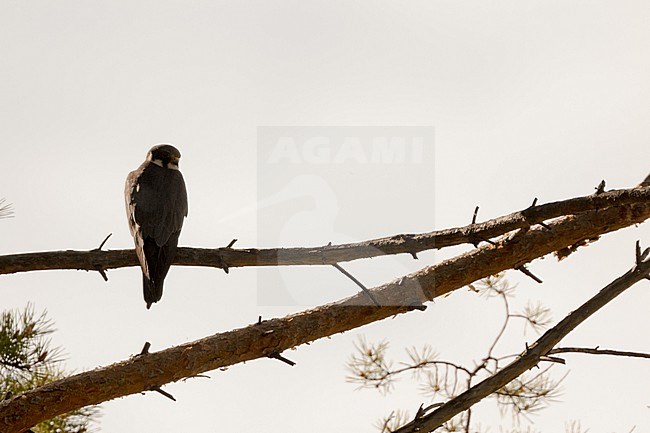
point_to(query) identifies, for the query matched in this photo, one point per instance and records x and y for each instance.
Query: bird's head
(164, 155)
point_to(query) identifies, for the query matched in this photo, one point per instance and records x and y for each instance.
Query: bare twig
(476, 239)
(102, 272)
(358, 283)
(503, 328)
(145, 348)
(279, 357)
(527, 272)
(475, 215)
(597, 351)
(99, 248)
(98, 267)
(159, 390)
(541, 223)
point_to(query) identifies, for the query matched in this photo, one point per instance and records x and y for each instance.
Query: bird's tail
(152, 290)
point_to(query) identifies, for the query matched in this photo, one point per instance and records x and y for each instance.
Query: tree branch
(530, 357)
(597, 351)
(225, 258)
(145, 372)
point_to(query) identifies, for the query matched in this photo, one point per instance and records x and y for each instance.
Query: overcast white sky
(526, 98)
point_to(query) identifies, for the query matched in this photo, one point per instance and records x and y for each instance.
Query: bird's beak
(175, 160)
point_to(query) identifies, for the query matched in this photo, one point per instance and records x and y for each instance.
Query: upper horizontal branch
(329, 254)
(146, 372)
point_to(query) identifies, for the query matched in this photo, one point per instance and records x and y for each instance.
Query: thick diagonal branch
(531, 357)
(330, 254)
(148, 371)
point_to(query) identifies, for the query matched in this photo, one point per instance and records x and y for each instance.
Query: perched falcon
(156, 204)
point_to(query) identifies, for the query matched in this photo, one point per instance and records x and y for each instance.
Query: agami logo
(348, 149)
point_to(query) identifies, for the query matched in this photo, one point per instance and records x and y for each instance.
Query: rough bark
(225, 258)
(149, 371)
